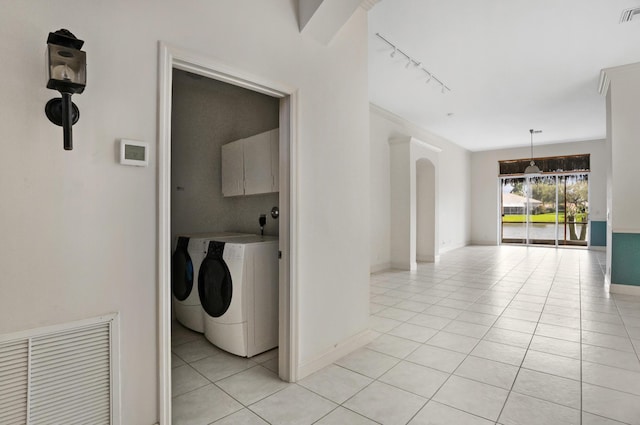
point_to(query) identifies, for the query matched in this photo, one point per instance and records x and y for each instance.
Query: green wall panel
(598, 233)
(625, 259)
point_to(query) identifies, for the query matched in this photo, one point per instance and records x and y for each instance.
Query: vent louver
(628, 14)
(13, 382)
(368, 4)
(59, 376)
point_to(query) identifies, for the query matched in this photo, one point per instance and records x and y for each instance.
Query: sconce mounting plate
(53, 109)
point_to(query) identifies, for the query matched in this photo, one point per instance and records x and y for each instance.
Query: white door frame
(169, 58)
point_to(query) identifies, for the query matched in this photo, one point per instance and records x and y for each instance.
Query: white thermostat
(133, 152)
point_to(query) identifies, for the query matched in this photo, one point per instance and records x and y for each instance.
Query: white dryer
(238, 287)
(188, 255)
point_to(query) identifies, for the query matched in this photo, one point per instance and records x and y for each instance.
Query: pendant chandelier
(532, 168)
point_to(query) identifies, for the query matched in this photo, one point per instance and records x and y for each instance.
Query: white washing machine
(189, 252)
(238, 287)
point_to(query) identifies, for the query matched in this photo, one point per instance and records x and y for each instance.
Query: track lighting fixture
(417, 63)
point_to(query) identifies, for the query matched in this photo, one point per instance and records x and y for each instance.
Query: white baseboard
(597, 248)
(445, 248)
(338, 351)
(426, 258)
(379, 267)
(484, 243)
(404, 266)
(616, 288)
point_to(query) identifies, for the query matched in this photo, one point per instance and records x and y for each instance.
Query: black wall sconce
(67, 71)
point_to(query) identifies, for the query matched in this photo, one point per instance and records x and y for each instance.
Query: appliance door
(181, 270)
(215, 285)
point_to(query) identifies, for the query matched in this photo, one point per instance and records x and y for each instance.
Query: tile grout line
(529, 345)
(467, 356)
(633, 347)
(548, 295)
(449, 373)
(581, 361)
(461, 290)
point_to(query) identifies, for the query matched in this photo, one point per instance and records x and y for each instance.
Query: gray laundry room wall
(207, 114)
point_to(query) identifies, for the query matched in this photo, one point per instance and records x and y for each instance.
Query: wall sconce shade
(67, 71)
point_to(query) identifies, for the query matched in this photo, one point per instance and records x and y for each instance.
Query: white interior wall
(206, 114)
(453, 187)
(79, 230)
(485, 192)
(402, 244)
(625, 149)
(609, 188)
(425, 210)
(623, 128)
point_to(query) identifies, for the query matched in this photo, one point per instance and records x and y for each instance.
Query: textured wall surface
(206, 114)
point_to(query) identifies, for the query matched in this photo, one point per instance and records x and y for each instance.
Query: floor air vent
(59, 375)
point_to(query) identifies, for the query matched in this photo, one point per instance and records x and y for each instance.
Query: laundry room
(207, 114)
(224, 228)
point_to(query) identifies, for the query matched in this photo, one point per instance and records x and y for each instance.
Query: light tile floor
(487, 335)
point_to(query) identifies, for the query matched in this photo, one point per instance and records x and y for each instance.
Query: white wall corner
(376, 268)
(306, 9)
(607, 73)
(322, 19)
(336, 352)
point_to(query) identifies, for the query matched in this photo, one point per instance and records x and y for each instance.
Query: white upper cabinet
(275, 160)
(232, 169)
(250, 166)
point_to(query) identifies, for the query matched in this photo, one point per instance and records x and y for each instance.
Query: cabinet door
(257, 164)
(275, 160)
(232, 169)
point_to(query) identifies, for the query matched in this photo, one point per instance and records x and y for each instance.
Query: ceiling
(512, 65)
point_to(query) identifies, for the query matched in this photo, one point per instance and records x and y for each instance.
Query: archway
(414, 180)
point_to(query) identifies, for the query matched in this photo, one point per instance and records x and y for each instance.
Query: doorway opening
(549, 209)
(177, 61)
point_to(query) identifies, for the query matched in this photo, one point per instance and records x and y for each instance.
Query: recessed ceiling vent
(368, 4)
(628, 14)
